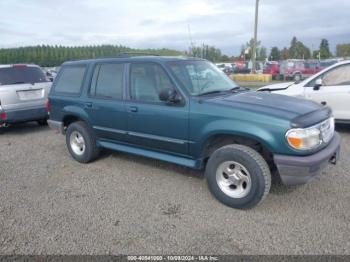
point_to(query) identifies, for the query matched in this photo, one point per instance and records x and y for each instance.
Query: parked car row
(291, 69)
(51, 73)
(240, 67)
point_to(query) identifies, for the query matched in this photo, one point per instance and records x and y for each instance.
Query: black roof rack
(129, 54)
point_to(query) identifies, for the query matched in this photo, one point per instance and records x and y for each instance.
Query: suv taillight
(48, 106)
(3, 116)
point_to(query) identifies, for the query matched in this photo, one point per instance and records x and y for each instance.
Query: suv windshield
(201, 77)
(21, 75)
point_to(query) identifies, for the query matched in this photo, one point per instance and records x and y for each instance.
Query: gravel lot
(122, 204)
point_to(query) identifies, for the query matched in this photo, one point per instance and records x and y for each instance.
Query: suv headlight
(311, 137)
(304, 139)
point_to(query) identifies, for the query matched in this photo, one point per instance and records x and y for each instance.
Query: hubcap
(77, 143)
(233, 179)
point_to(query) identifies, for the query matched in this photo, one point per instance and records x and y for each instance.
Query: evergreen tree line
(210, 53)
(49, 56)
(298, 50)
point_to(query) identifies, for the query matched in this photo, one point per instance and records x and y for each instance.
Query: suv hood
(280, 106)
(276, 87)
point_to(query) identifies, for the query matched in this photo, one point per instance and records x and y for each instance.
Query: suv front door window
(151, 122)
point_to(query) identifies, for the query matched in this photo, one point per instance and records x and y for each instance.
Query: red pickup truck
(299, 69)
(272, 68)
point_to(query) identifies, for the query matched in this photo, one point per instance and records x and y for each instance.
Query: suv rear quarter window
(70, 80)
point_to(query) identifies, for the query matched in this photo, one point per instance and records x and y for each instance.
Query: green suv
(186, 111)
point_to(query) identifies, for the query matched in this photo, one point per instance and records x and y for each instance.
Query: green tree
(225, 58)
(343, 50)
(298, 50)
(285, 53)
(249, 47)
(262, 53)
(275, 54)
(324, 49)
(45, 55)
(210, 53)
(316, 54)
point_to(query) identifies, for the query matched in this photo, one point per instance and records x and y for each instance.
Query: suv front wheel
(81, 142)
(238, 176)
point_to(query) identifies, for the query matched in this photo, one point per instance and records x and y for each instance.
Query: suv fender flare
(239, 129)
(76, 112)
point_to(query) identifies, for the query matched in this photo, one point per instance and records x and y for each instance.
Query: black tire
(91, 150)
(253, 162)
(42, 122)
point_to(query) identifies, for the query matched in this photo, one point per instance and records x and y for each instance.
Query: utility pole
(255, 36)
(191, 41)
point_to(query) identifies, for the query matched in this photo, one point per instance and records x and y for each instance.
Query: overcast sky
(226, 24)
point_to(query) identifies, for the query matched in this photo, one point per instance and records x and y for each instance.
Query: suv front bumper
(296, 170)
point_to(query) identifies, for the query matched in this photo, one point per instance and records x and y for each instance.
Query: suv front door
(334, 91)
(153, 123)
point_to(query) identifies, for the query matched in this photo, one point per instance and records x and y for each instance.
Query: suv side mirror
(318, 84)
(169, 95)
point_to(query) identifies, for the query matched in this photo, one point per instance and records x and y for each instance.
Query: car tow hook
(333, 160)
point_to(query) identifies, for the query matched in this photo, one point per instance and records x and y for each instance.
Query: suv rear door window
(108, 81)
(21, 74)
(70, 79)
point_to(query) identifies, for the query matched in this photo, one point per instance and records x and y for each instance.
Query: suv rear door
(23, 87)
(105, 104)
(153, 123)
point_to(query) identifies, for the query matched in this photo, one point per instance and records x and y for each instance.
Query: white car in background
(329, 87)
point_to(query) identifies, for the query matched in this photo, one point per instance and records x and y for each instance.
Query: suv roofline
(147, 58)
(11, 65)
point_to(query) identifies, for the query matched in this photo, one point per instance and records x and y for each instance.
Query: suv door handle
(88, 105)
(133, 109)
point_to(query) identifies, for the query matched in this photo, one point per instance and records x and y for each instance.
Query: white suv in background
(329, 87)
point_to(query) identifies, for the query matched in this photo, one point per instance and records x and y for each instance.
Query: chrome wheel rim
(233, 179)
(77, 143)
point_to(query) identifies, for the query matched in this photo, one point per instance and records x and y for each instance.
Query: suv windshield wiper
(18, 82)
(237, 88)
(210, 92)
(234, 89)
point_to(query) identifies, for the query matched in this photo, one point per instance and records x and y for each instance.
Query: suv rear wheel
(81, 142)
(238, 176)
